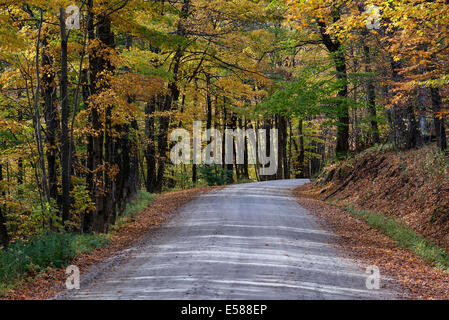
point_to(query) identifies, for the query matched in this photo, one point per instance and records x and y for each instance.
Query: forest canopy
(91, 90)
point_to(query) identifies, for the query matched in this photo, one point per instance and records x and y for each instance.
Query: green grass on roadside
(55, 250)
(143, 201)
(405, 237)
(50, 250)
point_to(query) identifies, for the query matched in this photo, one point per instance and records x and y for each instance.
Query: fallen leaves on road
(361, 242)
(411, 186)
(48, 284)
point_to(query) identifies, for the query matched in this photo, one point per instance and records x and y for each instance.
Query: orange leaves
(365, 244)
(418, 34)
(139, 86)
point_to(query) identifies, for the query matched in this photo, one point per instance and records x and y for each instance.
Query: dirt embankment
(411, 186)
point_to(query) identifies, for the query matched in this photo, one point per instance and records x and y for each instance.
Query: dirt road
(250, 241)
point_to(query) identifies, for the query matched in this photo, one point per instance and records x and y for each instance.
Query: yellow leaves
(141, 61)
(116, 96)
(98, 49)
(309, 13)
(9, 41)
(139, 86)
(81, 197)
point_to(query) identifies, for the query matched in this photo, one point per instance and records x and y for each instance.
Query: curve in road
(250, 241)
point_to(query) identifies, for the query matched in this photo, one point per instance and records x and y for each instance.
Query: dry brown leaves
(361, 242)
(411, 186)
(49, 284)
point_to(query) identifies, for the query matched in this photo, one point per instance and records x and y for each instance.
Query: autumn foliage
(86, 112)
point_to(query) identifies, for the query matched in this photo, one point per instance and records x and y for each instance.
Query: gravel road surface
(250, 241)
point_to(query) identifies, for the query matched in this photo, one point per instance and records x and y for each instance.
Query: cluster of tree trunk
(408, 123)
(110, 188)
(112, 162)
(114, 167)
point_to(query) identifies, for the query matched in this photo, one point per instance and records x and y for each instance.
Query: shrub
(41, 252)
(142, 201)
(215, 175)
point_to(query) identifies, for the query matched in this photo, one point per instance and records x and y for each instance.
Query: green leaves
(215, 175)
(46, 250)
(307, 95)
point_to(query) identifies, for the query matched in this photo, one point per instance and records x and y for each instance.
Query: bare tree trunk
(125, 158)
(230, 167)
(20, 172)
(133, 180)
(109, 180)
(225, 127)
(290, 145)
(208, 103)
(413, 132)
(256, 153)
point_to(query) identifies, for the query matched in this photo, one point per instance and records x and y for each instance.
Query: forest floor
(162, 209)
(390, 209)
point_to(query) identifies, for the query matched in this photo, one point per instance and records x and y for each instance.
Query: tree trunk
(208, 103)
(4, 238)
(343, 119)
(51, 118)
(336, 50)
(107, 38)
(95, 138)
(171, 100)
(286, 173)
(109, 179)
(413, 131)
(37, 116)
(371, 96)
(280, 149)
(133, 180)
(440, 130)
(65, 148)
(230, 167)
(150, 151)
(301, 156)
(246, 155)
(98, 63)
(405, 137)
